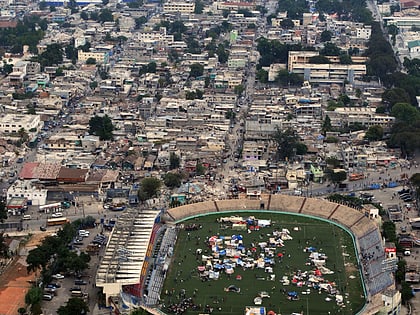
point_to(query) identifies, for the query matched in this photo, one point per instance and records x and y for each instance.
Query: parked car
(80, 282)
(84, 233)
(57, 215)
(47, 297)
(75, 289)
(55, 285)
(42, 228)
(58, 276)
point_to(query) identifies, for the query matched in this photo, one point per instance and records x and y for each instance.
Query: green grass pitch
(183, 278)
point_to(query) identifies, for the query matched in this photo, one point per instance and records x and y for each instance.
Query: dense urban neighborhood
(123, 124)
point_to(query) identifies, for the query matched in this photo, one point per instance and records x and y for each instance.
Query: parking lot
(86, 282)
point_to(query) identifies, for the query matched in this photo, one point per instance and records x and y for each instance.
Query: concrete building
(181, 7)
(26, 188)
(12, 123)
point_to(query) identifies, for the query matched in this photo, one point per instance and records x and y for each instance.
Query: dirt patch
(36, 239)
(350, 268)
(15, 281)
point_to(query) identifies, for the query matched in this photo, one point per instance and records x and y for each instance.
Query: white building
(12, 123)
(26, 188)
(364, 32)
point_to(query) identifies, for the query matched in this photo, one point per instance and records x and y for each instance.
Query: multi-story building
(12, 123)
(178, 6)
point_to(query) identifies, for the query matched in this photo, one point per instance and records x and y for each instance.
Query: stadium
(138, 254)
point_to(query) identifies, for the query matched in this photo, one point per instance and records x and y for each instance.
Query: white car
(57, 215)
(58, 276)
(84, 233)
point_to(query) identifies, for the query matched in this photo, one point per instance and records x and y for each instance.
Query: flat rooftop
(124, 256)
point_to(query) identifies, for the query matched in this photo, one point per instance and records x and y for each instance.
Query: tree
(336, 177)
(3, 211)
(415, 181)
(84, 15)
(172, 180)
(199, 6)
(326, 36)
(239, 89)
(395, 95)
(23, 135)
(285, 78)
(345, 59)
(101, 127)
(330, 49)
(149, 187)
(91, 61)
(287, 24)
(53, 55)
(196, 70)
(4, 249)
(326, 125)
(389, 231)
(374, 133)
(319, 60)
(73, 306)
(200, 169)
(222, 53)
(105, 15)
(286, 141)
(139, 22)
(332, 162)
(33, 296)
(406, 292)
(174, 161)
(405, 113)
(262, 76)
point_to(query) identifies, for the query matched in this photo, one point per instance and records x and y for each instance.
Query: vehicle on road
(47, 297)
(80, 282)
(57, 215)
(58, 276)
(57, 221)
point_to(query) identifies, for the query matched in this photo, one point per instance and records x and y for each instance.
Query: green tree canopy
(3, 211)
(74, 306)
(196, 70)
(405, 113)
(105, 15)
(262, 76)
(101, 127)
(330, 49)
(319, 60)
(287, 24)
(326, 36)
(174, 161)
(172, 180)
(90, 61)
(53, 55)
(374, 133)
(33, 296)
(287, 141)
(4, 249)
(149, 188)
(336, 177)
(284, 78)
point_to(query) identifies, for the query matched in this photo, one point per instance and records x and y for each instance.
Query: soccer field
(186, 285)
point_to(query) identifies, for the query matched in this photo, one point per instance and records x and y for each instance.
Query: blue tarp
(375, 186)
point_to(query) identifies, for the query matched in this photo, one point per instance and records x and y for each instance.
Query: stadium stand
(368, 239)
(311, 207)
(286, 203)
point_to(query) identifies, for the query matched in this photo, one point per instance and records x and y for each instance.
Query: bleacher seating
(316, 208)
(286, 203)
(366, 232)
